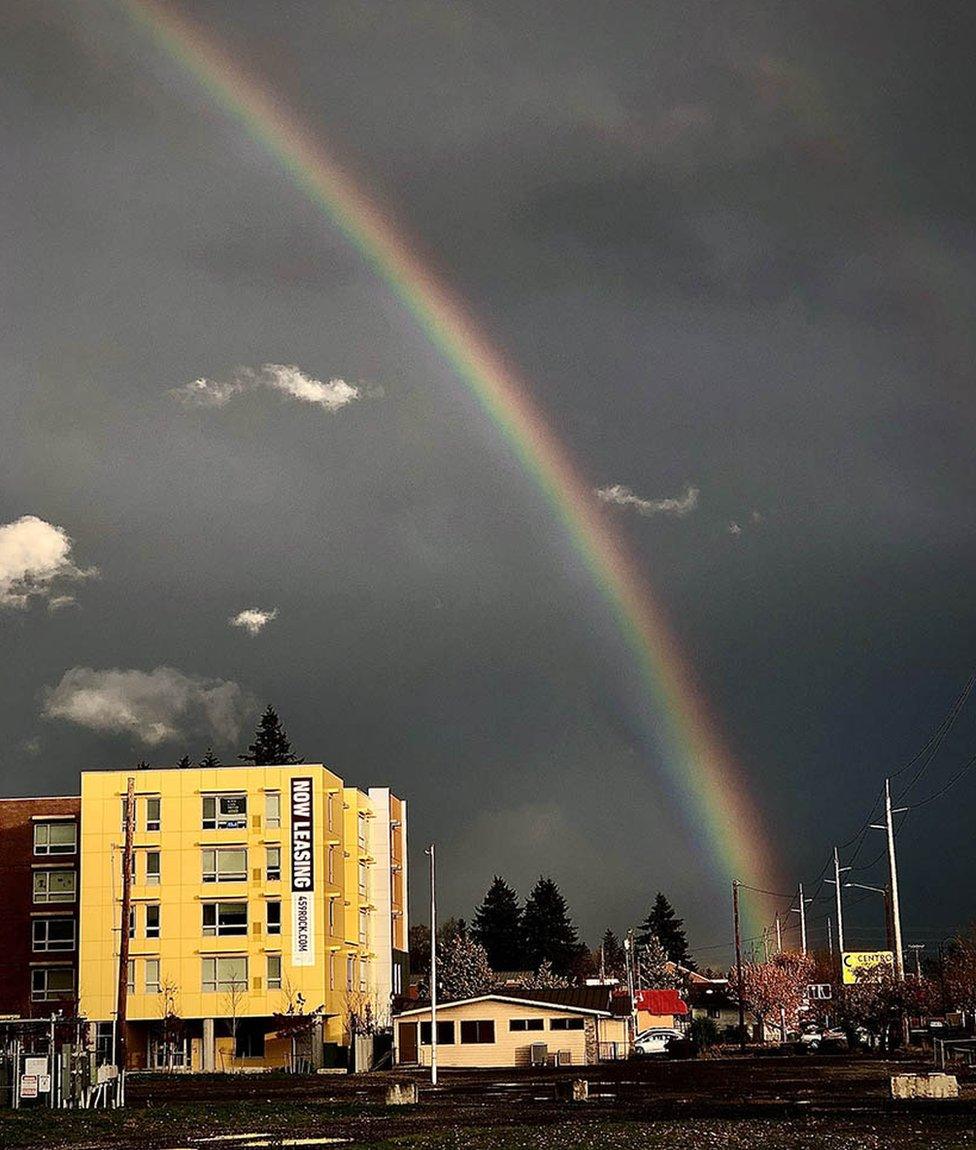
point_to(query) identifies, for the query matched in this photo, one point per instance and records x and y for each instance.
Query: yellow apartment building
(258, 894)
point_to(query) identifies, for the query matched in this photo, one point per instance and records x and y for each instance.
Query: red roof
(661, 1002)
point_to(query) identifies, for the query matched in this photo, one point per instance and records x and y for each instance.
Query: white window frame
(215, 874)
(272, 871)
(44, 944)
(273, 927)
(272, 810)
(152, 876)
(218, 929)
(154, 931)
(211, 963)
(219, 820)
(154, 824)
(45, 993)
(42, 831)
(47, 896)
(153, 985)
(274, 979)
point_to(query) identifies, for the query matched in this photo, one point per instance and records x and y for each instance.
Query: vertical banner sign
(302, 874)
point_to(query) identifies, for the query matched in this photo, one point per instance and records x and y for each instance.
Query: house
(572, 1026)
(660, 1008)
(714, 999)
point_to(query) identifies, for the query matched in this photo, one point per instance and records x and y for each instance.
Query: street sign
(44, 1084)
(34, 1064)
(819, 990)
(28, 1086)
(867, 965)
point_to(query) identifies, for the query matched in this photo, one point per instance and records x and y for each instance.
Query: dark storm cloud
(729, 247)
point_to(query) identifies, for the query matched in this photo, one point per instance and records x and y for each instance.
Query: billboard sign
(865, 965)
(302, 874)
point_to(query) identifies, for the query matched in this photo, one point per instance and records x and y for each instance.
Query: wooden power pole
(738, 965)
(122, 992)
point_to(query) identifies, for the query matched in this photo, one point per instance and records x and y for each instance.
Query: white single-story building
(507, 1029)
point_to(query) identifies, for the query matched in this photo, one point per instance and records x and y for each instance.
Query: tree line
(537, 944)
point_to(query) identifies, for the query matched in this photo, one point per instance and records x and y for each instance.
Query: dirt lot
(824, 1103)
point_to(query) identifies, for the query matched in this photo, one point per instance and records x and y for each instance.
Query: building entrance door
(408, 1042)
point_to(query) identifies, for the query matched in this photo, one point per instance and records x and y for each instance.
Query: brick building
(39, 843)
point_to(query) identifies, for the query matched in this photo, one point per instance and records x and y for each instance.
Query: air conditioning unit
(538, 1054)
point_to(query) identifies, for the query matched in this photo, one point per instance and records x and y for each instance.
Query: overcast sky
(730, 247)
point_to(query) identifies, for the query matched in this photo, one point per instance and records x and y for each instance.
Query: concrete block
(401, 1094)
(924, 1086)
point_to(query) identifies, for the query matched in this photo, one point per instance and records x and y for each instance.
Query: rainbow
(722, 817)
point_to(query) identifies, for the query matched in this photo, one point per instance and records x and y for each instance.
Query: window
(152, 868)
(224, 812)
(445, 1034)
(152, 976)
(363, 880)
(55, 886)
(274, 917)
(363, 975)
(55, 838)
(152, 920)
(526, 1024)
(49, 983)
(274, 972)
(473, 1030)
(363, 833)
(131, 976)
(53, 934)
(331, 864)
(331, 810)
(565, 1023)
(225, 864)
(273, 864)
(363, 927)
(132, 922)
(350, 973)
(332, 903)
(225, 973)
(152, 814)
(272, 809)
(224, 918)
(331, 972)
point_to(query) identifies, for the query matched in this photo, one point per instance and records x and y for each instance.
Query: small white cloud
(253, 619)
(621, 496)
(734, 528)
(153, 706)
(35, 558)
(285, 378)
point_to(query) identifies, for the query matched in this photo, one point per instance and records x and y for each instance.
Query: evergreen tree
(614, 961)
(462, 969)
(419, 943)
(209, 759)
(142, 765)
(498, 927)
(545, 978)
(271, 746)
(663, 924)
(654, 970)
(549, 931)
(184, 763)
(451, 928)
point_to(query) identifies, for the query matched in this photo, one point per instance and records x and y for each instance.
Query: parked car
(813, 1038)
(656, 1040)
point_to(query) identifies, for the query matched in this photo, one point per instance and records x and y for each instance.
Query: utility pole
(830, 936)
(838, 871)
(629, 970)
(918, 947)
(433, 967)
(802, 910)
(888, 827)
(122, 990)
(738, 964)
(765, 943)
(779, 935)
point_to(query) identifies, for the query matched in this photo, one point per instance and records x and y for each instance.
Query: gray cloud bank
(154, 707)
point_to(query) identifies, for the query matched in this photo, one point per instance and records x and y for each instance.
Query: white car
(656, 1040)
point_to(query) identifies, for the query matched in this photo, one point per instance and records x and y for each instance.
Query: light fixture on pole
(888, 827)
